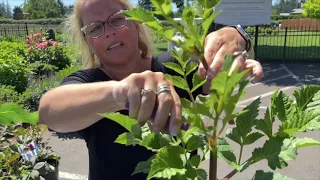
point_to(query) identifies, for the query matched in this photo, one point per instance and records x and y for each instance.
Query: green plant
(8, 94)
(14, 166)
(14, 135)
(173, 159)
(45, 55)
(13, 70)
(30, 99)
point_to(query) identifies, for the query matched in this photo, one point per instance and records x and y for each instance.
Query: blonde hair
(73, 24)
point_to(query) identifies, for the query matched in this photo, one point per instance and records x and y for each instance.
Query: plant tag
(28, 151)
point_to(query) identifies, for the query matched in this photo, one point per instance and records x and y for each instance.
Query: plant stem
(241, 149)
(213, 151)
(213, 165)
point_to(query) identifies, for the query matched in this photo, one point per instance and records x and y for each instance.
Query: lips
(115, 45)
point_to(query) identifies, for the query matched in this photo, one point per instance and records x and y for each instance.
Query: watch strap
(244, 34)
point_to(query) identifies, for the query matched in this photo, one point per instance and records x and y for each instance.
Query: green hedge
(279, 17)
(54, 21)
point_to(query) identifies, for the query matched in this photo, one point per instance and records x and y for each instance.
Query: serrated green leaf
(180, 55)
(195, 160)
(261, 175)
(233, 100)
(188, 16)
(300, 122)
(228, 60)
(197, 82)
(167, 163)
(11, 113)
(245, 121)
(195, 142)
(127, 139)
(202, 174)
(143, 166)
(208, 4)
(186, 135)
(147, 17)
(284, 107)
(315, 103)
(198, 9)
(178, 82)
(123, 120)
(265, 125)
(207, 22)
(277, 150)
(155, 142)
(190, 67)
(174, 66)
(304, 95)
(234, 135)
(168, 33)
(305, 142)
(162, 6)
(225, 153)
(253, 137)
(219, 82)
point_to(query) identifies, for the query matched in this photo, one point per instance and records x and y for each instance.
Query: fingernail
(211, 74)
(174, 131)
(202, 72)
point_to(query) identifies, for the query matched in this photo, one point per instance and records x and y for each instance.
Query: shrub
(13, 70)
(31, 97)
(45, 55)
(8, 94)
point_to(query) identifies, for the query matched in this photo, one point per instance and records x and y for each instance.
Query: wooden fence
(301, 24)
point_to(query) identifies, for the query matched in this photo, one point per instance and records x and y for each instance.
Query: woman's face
(116, 46)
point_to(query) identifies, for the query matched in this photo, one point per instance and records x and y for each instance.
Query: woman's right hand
(159, 94)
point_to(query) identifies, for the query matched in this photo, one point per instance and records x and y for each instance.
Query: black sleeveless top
(107, 159)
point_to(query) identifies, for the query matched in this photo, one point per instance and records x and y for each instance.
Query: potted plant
(24, 154)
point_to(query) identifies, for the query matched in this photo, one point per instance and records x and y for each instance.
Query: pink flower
(30, 49)
(54, 43)
(28, 45)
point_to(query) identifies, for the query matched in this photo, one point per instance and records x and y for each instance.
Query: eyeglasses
(96, 29)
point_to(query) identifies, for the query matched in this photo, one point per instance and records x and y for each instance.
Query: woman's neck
(119, 73)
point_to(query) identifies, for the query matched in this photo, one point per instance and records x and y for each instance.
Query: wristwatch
(244, 34)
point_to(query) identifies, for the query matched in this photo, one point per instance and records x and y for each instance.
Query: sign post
(244, 12)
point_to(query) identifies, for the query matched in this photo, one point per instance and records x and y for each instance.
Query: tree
(8, 10)
(61, 7)
(42, 9)
(312, 9)
(285, 6)
(17, 13)
(2, 9)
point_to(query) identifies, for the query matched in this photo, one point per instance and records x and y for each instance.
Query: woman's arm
(73, 107)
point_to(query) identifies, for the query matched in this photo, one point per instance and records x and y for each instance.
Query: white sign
(244, 12)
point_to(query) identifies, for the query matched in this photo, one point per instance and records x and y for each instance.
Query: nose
(109, 30)
(110, 34)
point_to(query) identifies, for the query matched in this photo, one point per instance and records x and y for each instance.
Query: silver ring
(163, 88)
(147, 91)
(244, 54)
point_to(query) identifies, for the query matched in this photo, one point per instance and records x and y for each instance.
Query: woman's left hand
(223, 42)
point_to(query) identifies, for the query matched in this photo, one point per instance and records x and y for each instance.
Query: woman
(120, 70)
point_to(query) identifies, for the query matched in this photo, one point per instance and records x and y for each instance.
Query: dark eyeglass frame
(103, 25)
